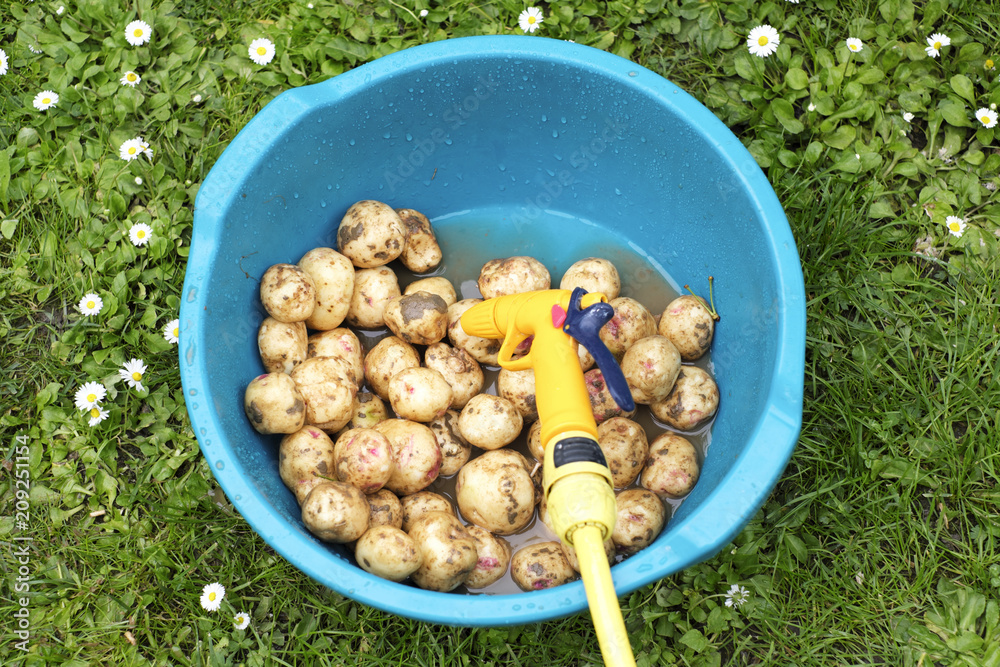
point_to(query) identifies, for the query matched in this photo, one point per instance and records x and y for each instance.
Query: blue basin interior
(511, 145)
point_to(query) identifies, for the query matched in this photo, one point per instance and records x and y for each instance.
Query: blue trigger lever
(583, 325)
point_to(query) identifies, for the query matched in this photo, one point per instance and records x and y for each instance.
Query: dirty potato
(518, 387)
(333, 277)
(418, 504)
(420, 318)
(494, 558)
(594, 275)
(535, 445)
(574, 560)
(694, 398)
(448, 550)
(373, 290)
(495, 491)
(672, 467)
(461, 371)
(387, 552)
(389, 356)
(640, 518)
(274, 404)
(490, 422)
(336, 512)
(328, 389)
(689, 326)
(435, 285)
(419, 394)
(625, 449)
(601, 402)
(341, 343)
(416, 454)
(368, 411)
(421, 251)
(304, 457)
(386, 509)
(287, 293)
(650, 368)
(513, 275)
(282, 345)
(483, 350)
(371, 234)
(631, 323)
(455, 451)
(363, 457)
(541, 565)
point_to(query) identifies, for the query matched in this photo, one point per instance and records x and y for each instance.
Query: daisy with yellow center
(137, 33)
(211, 596)
(132, 373)
(988, 64)
(988, 117)
(261, 51)
(934, 44)
(130, 79)
(45, 100)
(140, 233)
(763, 41)
(956, 226)
(854, 44)
(241, 620)
(172, 331)
(530, 19)
(3, 62)
(90, 304)
(97, 415)
(130, 150)
(89, 395)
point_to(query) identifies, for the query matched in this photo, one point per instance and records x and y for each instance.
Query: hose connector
(579, 490)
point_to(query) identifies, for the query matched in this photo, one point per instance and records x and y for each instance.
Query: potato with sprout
(594, 275)
(490, 422)
(435, 285)
(672, 468)
(421, 251)
(333, 277)
(363, 457)
(651, 367)
(373, 290)
(513, 275)
(420, 503)
(340, 343)
(639, 519)
(449, 552)
(371, 234)
(388, 552)
(305, 458)
(518, 387)
(416, 454)
(287, 293)
(336, 512)
(495, 491)
(419, 394)
(541, 565)
(455, 451)
(282, 345)
(274, 404)
(483, 350)
(625, 449)
(389, 356)
(461, 371)
(494, 558)
(420, 318)
(689, 325)
(631, 323)
(694, 399)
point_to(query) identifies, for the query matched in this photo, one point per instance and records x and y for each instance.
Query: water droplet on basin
(219, 465)
(409, 137)
(192, 293)
(633, 74)
(295, 194)
(502, 167)
(193, 392)
(544, 118)
(351, 142)
(386, 135)
(618, 192)
(555, 134)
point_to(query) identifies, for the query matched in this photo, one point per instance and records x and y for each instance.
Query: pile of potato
(361, 472)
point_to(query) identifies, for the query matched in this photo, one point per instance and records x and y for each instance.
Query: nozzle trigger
(584, 326)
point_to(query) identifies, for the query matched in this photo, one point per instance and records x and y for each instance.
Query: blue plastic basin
(548, 146)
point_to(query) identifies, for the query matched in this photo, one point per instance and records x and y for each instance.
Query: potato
(363, 457)
(631, 323)
(449, 552)
(287, 293)
(460, 370)
(388, 552)
(371, 234)
(328, 389)
(494, 558)
(435, 285)
(282, 345)
(333, 277)
(373, 290)
(455, 451)
(340, 343)
(587, 360)
(336, 512)
(625, 449)
(694, 398)
(304, 457)
(421, 251)
(419, 394)
(541, 565)
(418, 504)
(672, 467)
(368, 411)
(518, 387)
(574, 561)
(274, 404)
(483, 350)
(388, 357)
(386, 509)
(594, 275)
(495, 491)
(490, 422)
(513, 275)
(601, 402)
(651, 367)
(639, 519)
(416, 453)
(535, 442)
(420, 318)
(689, 326)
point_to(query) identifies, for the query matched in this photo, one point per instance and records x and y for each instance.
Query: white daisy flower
(139, 234)
(309, 6)
(907, 116)
(97, 415)
(211, 596)
(172, 332)
(130, 150)
(147, 151)
(130, 79)
(423, 13)
(241, 620)
(811, 107)
(137, 33)
(763, 41)
(138, 180)
(854, 44)
(955, 225)
(530, 19)
(45, 99)
(736, 596)
(60, 10)
(934, 44)
(261, 51)
(4, 60)
(90, 304)
(89, 395)
(988, 117)
(196, 99)
(132, 373)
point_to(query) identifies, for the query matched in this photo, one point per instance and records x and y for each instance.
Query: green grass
(877, 547)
